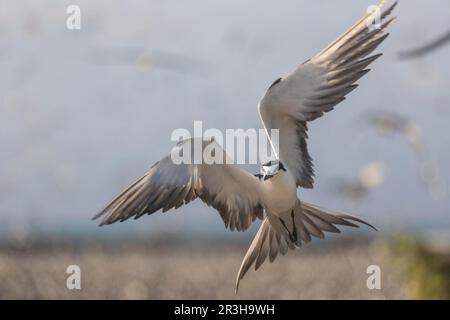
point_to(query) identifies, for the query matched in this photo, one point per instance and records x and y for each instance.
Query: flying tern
(310, 90)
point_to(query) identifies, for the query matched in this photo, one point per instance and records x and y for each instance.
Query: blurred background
(85, 112)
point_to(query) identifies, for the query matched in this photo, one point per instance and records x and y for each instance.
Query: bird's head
(270, 169)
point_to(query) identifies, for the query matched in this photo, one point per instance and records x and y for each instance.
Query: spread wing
(232, 191)
(316, 86)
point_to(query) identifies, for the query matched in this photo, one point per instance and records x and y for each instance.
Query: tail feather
(253, 251)
(278, 234)
(333, 216)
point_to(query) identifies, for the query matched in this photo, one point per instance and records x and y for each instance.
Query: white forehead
(270, 169)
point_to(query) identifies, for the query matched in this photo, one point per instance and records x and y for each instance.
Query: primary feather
(316, 87)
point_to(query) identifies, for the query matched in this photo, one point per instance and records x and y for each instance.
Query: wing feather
(233, 192)
(316, 87)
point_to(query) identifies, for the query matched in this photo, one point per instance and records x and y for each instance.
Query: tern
(310, 90)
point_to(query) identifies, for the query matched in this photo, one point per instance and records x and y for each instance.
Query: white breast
(280, 192)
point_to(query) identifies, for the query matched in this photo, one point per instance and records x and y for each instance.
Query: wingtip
(104, 222)
(99, 214)
(376, 56)
(394, 4)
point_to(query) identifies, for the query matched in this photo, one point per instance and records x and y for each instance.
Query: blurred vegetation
(426, 271)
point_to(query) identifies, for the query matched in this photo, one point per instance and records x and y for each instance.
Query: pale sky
(83, 113)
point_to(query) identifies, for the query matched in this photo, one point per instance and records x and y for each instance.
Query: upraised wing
(232, 191)
(316, 86)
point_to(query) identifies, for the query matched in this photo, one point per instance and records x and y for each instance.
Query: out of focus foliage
(426, 272)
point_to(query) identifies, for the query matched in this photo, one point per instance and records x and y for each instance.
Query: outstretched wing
(232, 191)
(316, 86)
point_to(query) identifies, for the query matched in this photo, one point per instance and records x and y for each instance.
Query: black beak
(258, 175)
(267, 177)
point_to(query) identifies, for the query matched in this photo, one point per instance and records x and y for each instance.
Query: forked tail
(277, 234)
